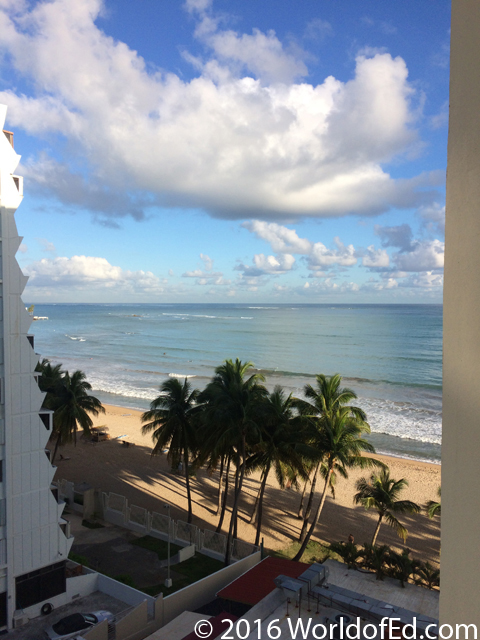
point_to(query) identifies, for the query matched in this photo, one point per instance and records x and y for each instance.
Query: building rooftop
(258, 582)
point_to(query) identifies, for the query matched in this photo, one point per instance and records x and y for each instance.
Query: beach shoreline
(148, 482)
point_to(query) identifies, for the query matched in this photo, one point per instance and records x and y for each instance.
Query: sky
(229, 151)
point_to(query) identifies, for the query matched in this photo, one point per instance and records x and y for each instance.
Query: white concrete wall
(205, 590)
(33, 536)
(460, 562)
(125, 593)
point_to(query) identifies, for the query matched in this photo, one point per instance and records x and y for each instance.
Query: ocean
(390, 355)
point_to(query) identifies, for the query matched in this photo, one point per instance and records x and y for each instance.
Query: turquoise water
(391, 355)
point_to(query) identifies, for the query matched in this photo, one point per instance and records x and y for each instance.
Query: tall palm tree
(232, 407)
(339, 437)
(50, 377)
(323, 401)
(381, 493)
(72, 405)
(281, 445)
(171, 420)
(434, 507)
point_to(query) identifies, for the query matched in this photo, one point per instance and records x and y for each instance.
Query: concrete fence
(115, 508)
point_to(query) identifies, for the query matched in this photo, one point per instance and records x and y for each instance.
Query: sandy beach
(148, 482)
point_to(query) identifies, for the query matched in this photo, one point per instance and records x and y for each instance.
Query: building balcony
(9, 137)
(46, 416)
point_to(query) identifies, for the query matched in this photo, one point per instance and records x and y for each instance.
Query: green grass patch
(160, 547)
(75, 557)
(183, 574)
(315, 552)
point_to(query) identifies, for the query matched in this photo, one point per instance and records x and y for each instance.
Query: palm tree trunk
(308, 510)
(225, 495)
(253, 517)
(187, 482)
(260, 504)
(56, 447)
(235, 492)
(220, 483)
(377, 528)
(235, 503)
(315, 519)
(300, 508)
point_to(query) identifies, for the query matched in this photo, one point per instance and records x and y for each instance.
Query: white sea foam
(403, 420)
(76, 338)
(181, 375)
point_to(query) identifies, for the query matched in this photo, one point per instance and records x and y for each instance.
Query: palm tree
(434, 508)
(403, 565)
(171, 420)
(72, 405)
(323, 401)
(428, 575)
(339, 437)
(349, 552)
(232, 407)
(50, 377)
(281, 445)
(381, 493)
(376, 557)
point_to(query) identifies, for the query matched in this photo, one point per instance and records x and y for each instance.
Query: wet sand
(148, 482)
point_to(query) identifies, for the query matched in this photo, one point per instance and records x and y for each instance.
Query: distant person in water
(351, 538)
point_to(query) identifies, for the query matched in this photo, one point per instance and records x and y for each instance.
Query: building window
(40, 585)
(3, 512)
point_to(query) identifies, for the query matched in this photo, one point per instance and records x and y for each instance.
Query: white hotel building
(34, 541)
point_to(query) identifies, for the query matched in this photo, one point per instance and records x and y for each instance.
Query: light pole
(168, 581)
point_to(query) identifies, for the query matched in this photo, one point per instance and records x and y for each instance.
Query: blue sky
(218, 150)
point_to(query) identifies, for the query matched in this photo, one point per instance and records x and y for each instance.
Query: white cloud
(87, 272)
(375, 258)
(206, 275)
(231, 143)
(400, 236)
(207, 261)
(285, 241)
(47, 246)
(433, 218)
(427, 280)
(23, 248)
(267, 265)
(321, 257)
(425, 256)
(281, 239)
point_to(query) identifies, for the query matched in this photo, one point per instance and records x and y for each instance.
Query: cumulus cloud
(87, 272)
(400, 236)
(267, 265)
(286, 241)
(206, 276)
(321, 257)
(244, 137)
(23, 248)
(433, 218)
(425, 256)
(281, 239)
(374, 258)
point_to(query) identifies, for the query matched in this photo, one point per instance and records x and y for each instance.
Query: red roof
(257, 583)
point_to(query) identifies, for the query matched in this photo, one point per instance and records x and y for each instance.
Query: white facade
(31, 535)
